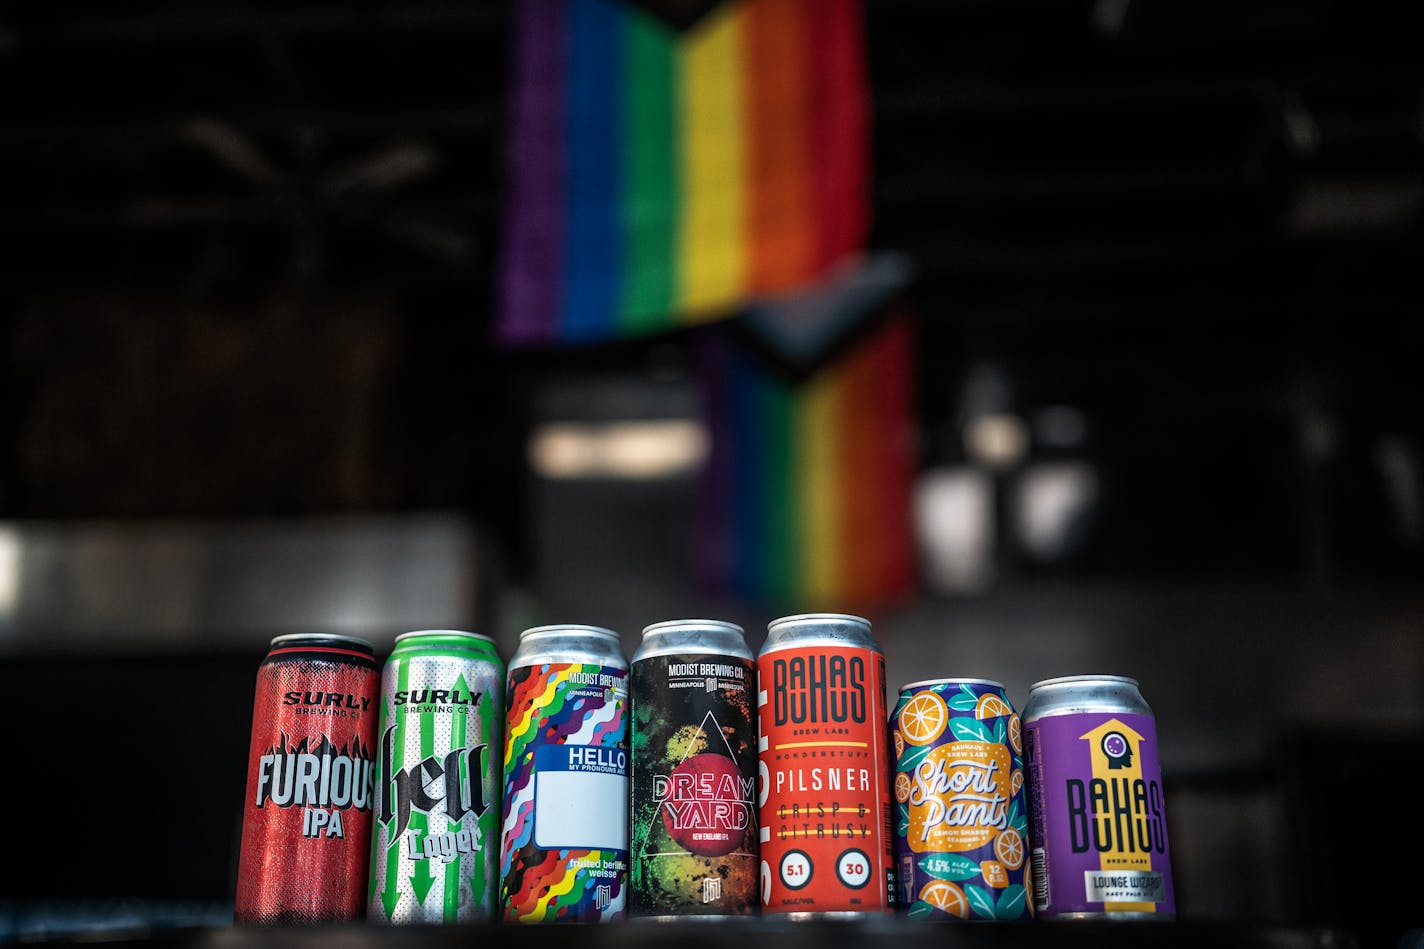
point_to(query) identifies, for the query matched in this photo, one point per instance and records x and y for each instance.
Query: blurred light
(9, 571)
(1051, 504)
(638, 450)
(1060, 426)
(954, 524)
(998, 440)
(1110, 15)
(1399, 465)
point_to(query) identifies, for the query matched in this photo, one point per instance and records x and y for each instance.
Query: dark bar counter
(889, 933)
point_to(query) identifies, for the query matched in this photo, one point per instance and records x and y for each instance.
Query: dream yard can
(961, 841)
(307, 817)
(435, 845)
(1098, 820)
(823, 768)
(694, 837)
(564, 853)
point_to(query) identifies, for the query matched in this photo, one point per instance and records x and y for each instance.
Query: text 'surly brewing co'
(694, 838)
(307, 817)
(435, 843)
(1098, 819)
(961, 841)
(564, 853)
(823, 768)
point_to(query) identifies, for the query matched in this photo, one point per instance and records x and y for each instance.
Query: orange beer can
(823, 768)
(961, 812)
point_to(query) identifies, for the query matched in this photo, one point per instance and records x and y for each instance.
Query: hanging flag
(806, 496)
(661, 178)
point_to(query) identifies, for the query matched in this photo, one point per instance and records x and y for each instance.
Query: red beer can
(823, 768)
(306, 825)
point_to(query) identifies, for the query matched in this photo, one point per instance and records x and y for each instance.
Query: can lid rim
(818, 617)
(953, 680)
(693, 623)
(536, 631)
(1065, 680)
(332, 638)
(446, 632)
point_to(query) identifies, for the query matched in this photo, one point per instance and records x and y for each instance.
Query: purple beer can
(1097, 820)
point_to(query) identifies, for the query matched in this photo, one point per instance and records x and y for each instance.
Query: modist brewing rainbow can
(1099, 823)
(564, 853)
(823, 769)
(961, 840)
(306, 823)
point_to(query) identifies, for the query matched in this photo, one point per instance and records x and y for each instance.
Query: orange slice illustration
(991, 706)
(923, 718)
(902, 787)
(1016, 782)
(899, 745)
(944, 895)
(1016, 734)
(1009, 848)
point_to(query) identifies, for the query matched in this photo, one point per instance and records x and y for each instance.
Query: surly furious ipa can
(1099, 825)
(961, 838)
(307, 820)
(435, 846)
(823, 767)
(694, 841)
(564, 855)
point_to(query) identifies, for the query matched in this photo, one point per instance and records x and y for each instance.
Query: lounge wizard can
(435, 845)
(1098, 819)
(307, 818)
(564, 845)
(694, 829)
(823, 768)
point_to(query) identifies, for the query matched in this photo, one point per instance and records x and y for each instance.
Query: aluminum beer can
(823, 768)
(694, 829)
(1097, 817)
(435, 843)
(306, 822)
(564, 852)
(961, 839)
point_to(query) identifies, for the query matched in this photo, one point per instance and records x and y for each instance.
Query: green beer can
(435, 839)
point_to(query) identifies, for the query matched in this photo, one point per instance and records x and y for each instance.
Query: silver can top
(929, 683)
(444, 632)
(819, 629)
(569, 642)
(710, 637)
(320, 640)
(1066, 695)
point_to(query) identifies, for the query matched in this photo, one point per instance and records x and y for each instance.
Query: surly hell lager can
(435, 844)
(1098, 821)
(307, 820)
(564, 854)
(694, 840)
(961, 837)
(823, 767)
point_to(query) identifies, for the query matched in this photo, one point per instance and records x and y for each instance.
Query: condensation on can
(564, 848)
(435, 840)
(693, 848)
(307, 812)
(1093, 738)
(823, 769)
(961, 839)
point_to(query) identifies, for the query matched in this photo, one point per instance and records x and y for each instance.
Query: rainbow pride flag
(806, 496)
(659, 179)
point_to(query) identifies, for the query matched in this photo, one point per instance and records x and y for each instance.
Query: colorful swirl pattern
(546, 706)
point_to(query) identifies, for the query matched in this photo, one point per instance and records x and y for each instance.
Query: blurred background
(1055, 336)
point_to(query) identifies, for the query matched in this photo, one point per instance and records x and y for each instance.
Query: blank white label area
(580, 811)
